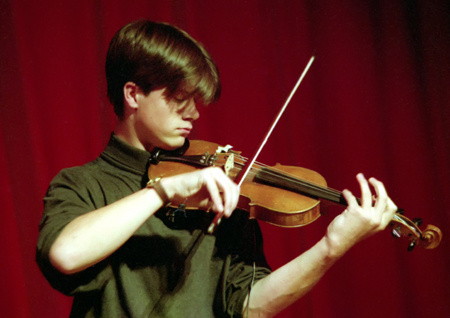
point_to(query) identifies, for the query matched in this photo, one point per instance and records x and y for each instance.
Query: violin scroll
(404, 227)
(432, 235)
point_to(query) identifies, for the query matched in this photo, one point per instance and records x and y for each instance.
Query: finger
(216, 199)
(214, 194)
(230, 191)
(391, 208)
(350, 198)
(366, 194)
(223, 182)
(231, 196)
(215, 222)
(381, 194)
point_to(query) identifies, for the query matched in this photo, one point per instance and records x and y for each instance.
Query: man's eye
(179, 99)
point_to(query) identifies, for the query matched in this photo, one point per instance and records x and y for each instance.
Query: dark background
(376, 100)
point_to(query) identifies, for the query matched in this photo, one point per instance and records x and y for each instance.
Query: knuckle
(210, 171)
(215, 170)
(376, 223)
(372, 223)
(394, 207)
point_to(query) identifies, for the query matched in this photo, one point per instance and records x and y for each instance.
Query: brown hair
(155, 55)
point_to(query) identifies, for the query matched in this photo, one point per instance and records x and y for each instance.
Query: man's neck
(125, 131)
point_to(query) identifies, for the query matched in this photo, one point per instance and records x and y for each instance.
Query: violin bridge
(226, 152)
(229, 164)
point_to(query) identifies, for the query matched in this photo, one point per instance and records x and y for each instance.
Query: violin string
(287, 176)
(318, 190)
(298, 181)
(257, 166)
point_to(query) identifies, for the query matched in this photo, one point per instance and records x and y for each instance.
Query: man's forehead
(187, 89)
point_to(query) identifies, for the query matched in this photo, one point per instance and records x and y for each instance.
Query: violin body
(263, 202)
(282, 207)
(285, 196)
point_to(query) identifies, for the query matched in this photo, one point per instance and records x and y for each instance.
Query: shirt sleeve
(69, 195)
(245, 264)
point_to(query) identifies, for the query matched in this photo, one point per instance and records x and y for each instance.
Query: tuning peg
(411, 245)
(417, 221)
(396, 232)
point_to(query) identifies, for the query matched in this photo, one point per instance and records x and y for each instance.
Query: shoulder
(72, 183)
(97, 183)
(88, 174)
(75, 177)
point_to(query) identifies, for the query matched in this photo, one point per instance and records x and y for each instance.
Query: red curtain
(376, 100)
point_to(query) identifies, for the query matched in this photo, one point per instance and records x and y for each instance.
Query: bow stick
(246, 169)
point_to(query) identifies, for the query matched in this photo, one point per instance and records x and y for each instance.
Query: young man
(107, 239)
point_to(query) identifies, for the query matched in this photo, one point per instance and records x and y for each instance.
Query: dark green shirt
(168, 268)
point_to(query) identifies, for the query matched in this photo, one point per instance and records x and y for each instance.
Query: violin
(285, 196)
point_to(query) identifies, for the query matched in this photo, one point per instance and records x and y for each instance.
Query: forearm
(94, 236)
(292, 281)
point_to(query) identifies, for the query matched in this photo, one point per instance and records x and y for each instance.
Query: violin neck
(284, 181)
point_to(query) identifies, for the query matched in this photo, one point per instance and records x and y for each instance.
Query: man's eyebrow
(188, 93)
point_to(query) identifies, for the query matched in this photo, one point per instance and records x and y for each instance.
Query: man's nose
(190, 111)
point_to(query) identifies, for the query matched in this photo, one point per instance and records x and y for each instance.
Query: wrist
(156, 185)
(334, 247)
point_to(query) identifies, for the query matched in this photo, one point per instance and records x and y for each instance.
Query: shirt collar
(125, 155)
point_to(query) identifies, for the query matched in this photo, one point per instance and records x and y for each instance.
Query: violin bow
(248, 165)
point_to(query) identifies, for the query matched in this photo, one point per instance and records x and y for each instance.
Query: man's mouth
(185, 131)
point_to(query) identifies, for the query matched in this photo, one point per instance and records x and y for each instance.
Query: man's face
(162, 122)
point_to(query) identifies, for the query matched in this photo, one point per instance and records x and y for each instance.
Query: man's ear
(130, 90)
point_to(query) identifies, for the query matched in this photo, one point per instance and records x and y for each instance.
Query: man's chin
(173, 144)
